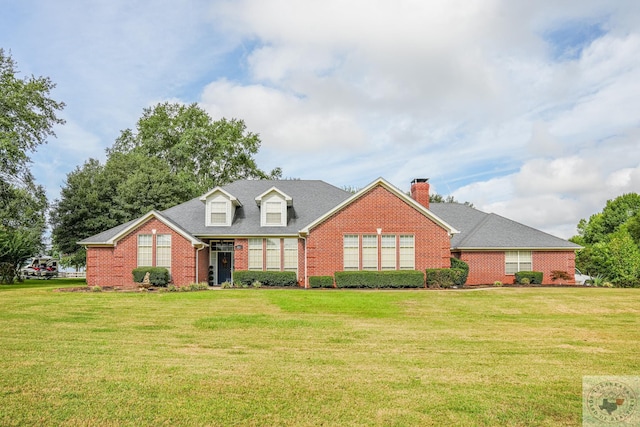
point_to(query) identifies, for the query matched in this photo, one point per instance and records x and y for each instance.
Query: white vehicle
(44, 267)
(583, 279)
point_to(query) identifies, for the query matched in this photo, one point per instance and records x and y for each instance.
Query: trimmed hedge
(158, 276)
(380, 279)
(320, 281)
(445, 277)
(267, 278)
(458, 263)
(535, 277)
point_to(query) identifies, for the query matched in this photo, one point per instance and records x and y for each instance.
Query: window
(350, 250)
(388, 252)
(255, 254)
(390, 257)
(280, 254)
(145, 250)
(218, 213)
(290, 254)
(163, 251)
(370, 252)
(273, 254)
(517, 261)
(407, 252)
(273, 213)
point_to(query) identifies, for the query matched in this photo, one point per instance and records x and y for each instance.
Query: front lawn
(309, 357)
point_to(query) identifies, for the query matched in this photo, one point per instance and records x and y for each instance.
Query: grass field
(309, 357)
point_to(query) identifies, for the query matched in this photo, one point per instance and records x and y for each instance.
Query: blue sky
(526, 109)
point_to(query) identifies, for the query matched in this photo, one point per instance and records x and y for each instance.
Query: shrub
(266, 278)
(525, 281)
(321, 282)
(380, 279)
(535, 277)
(497, 283)
(226, 285)
(256, 284)
(96, 289)
(444, 277)
(458, 263)
(158, 276)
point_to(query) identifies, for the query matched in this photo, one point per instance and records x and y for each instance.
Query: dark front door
(224, 267)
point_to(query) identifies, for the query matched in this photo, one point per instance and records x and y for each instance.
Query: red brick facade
(487, 267)
(377, 209)
(113, 266)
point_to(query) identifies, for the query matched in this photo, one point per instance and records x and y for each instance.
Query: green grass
(309, 357)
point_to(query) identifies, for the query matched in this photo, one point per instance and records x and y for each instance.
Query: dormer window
(273, 207)
(220, 207)
(273, 213)
(218, 212)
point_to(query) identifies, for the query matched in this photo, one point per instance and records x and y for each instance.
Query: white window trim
(519, 262)
(273, 198)
(228, 211)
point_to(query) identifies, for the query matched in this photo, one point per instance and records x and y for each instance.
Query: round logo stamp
(612, 401)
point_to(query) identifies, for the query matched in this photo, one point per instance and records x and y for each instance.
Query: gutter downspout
(306, 276)
(197, 258)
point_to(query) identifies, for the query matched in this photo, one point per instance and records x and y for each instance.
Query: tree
(197, 149)
(610, 239)
(438, 198)
(22, 223)
(27, 118)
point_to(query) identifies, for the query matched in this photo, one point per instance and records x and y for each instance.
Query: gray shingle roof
(482, 230)
(313, 198)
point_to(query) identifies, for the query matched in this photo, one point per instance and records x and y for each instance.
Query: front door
(224, 267)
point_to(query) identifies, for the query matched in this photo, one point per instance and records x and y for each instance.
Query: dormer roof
(221, 190)
(273, 189)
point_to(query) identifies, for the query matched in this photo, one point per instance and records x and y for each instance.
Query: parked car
(583, 279)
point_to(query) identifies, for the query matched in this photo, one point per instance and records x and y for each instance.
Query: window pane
(291, 254)
(145, 250)
(388, 252)
(273, 254)
(163, 251)
(407, 253)
(219, 213)
(350, 252)
(370, 252)
(273, 213)
(517, 261)
(255, 254)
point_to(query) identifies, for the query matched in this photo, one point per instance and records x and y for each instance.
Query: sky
(530, 110)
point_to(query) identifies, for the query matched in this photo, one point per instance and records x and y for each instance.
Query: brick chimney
(420, 191)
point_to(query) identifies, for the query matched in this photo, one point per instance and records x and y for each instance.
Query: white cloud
(469, 93)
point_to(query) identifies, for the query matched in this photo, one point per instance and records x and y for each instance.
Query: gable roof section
(111, 236)
(285, 196)
(483, 231)
(231, 197)
(383, 183)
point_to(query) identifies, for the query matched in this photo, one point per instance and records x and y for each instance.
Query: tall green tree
(27, 118)
(611, 241)
(197, 149)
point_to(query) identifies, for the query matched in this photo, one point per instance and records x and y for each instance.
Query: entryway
(220, 262)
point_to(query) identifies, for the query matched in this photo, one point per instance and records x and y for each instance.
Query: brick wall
(113, 266)
(382, 209)
(488, 267)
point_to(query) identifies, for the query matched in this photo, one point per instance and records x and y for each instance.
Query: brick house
(316, 229)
